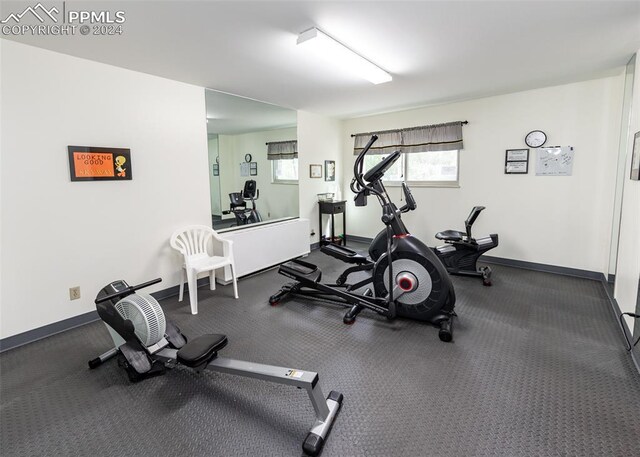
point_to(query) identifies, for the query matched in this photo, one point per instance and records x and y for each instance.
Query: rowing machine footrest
(298, 269)
(342, 253)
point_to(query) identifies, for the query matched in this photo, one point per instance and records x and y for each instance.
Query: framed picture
(516, 161)
(329, 170)
(635, 158)
(216, 169)
(315, 171)
(88, 163)
(253, 168)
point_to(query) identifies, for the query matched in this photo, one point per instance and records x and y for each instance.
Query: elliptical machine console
(404, 277)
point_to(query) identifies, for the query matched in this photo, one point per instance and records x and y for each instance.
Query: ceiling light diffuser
(342, 56)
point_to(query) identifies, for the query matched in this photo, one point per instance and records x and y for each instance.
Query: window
(285, 171)
(433, 168)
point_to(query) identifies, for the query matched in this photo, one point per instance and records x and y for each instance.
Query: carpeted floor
(537, 368)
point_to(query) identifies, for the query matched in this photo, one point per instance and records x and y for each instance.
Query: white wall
(319, 139)
(628, 266)
(58, 234)
(276, 200)
(564, 221)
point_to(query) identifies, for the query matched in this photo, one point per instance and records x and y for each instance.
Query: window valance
(439, 137)
(278, 150)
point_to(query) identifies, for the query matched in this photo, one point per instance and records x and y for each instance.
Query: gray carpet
(537, 368)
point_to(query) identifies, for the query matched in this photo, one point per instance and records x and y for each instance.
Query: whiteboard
(554, 161)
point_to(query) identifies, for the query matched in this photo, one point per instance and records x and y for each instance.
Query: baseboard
(358, 239)
(39, 333)
(543, 267)
(31, 336)
(48, 330)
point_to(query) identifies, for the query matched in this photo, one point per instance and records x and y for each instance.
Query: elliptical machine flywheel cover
(434, 284)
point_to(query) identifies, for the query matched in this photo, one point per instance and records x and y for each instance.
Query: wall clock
(535, 138)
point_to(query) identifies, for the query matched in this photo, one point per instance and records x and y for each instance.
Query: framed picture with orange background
(89, 163)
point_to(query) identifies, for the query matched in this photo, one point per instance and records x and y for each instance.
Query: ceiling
(436, 51)
(231, 115)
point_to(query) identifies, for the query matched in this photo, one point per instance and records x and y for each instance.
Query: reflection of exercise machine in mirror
(239, 129)
(238, 204)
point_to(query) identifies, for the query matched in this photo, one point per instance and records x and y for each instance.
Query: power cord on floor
(635, 316)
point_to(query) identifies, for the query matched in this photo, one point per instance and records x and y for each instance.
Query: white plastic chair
(192, 242)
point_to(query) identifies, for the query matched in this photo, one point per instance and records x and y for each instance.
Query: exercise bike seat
(450, 235)
(201, 350)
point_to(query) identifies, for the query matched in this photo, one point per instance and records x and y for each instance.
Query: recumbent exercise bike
(461, 252)
(146, 343)
(238, 204)
(414, 284)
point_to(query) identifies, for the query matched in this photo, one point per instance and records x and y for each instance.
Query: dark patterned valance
(279, 150)
(440, 137)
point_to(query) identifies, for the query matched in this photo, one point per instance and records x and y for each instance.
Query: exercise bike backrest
(250, 191)
(475, 212)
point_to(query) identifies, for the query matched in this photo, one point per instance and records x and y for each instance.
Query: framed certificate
(516, 168)
(516, 161)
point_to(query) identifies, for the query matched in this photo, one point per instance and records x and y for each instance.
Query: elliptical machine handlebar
(408, 196)
(357, 166)
(359, 186)
(127, 291)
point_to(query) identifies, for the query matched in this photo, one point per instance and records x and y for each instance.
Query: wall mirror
(625, 132)
(253, 161)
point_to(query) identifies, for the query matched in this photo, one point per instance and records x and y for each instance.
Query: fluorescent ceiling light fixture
(342, 56)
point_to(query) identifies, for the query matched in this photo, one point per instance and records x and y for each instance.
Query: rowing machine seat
(201, 350)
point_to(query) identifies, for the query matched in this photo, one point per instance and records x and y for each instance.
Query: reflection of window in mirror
(285, 171)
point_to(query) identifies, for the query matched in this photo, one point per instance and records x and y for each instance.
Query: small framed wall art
(635, 158)
(88, 163)
(329, 170)
(315, 171)
(516, 161)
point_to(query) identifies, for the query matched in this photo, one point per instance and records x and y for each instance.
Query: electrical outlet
(74, 293)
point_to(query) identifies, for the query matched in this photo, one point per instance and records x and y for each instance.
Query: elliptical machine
(146, 344)
(461, 252)
(414, 284)
(238, 204)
